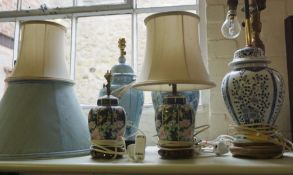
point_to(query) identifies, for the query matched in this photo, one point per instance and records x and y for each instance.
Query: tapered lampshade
(173, 54)
(44, 40)
(40, 116)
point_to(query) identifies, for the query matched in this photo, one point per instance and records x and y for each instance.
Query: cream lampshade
(41, 39)
(173, 54)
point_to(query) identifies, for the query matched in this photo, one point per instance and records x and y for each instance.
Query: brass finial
(122, 45)
(108, 77)
(256, 7)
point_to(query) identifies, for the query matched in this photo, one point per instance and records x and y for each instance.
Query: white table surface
(153, 164)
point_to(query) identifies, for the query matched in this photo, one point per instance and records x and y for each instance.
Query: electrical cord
(260, 132)
(102, 146)
(135, 152)
(219, 146)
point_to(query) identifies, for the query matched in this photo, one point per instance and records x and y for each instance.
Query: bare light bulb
(231, 27)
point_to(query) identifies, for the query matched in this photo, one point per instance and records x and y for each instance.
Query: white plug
(218, 147)
(136, 151)
(139, 152)
(221, 148)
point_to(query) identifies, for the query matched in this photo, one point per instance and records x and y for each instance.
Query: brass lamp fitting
(122, 45)
(248, 37)
(253, 32)
(256, 6)
(108, 77)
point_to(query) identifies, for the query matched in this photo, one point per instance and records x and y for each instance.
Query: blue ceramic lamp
(173, 63)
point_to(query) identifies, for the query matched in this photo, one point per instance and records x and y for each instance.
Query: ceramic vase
(192, 98)
(253, 92)
(107, 122)
(175, 122)
(131, 100)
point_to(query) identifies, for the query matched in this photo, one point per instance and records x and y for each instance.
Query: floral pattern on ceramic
(175, 122)
(106, 123)
(192, 98)
(253, 92)
(249, 52)
(132, 102)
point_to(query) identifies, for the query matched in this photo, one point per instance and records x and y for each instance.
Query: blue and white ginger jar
(253, 92)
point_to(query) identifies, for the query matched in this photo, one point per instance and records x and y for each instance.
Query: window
(93, 30)
(6, 51)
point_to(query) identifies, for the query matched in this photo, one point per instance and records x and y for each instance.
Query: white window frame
(75, 12)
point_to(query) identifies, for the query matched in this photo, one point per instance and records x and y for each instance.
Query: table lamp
(254, 94)
(173, 63)
(40, 116)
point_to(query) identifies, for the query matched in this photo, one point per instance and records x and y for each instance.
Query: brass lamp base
(256, 150)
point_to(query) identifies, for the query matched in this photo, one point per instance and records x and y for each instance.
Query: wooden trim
(289, 48)
(6, 16)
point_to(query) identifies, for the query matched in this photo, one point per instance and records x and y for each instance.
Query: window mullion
(74, 3)
(16, 35)
(16, 42)
(165, 9)
(73, 47)
(63, 12)
(134, 38)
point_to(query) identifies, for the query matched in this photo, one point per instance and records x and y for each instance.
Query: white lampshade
(41, 53)
(173, 54)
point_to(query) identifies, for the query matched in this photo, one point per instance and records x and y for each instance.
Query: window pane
(161, 3)
(141, 32)
(141, 51)
(36, 4)
(99, 2)
(97, 51)
(6, 52)
(8, 5)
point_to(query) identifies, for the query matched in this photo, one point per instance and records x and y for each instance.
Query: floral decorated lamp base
(107, 126)
(175, 127)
